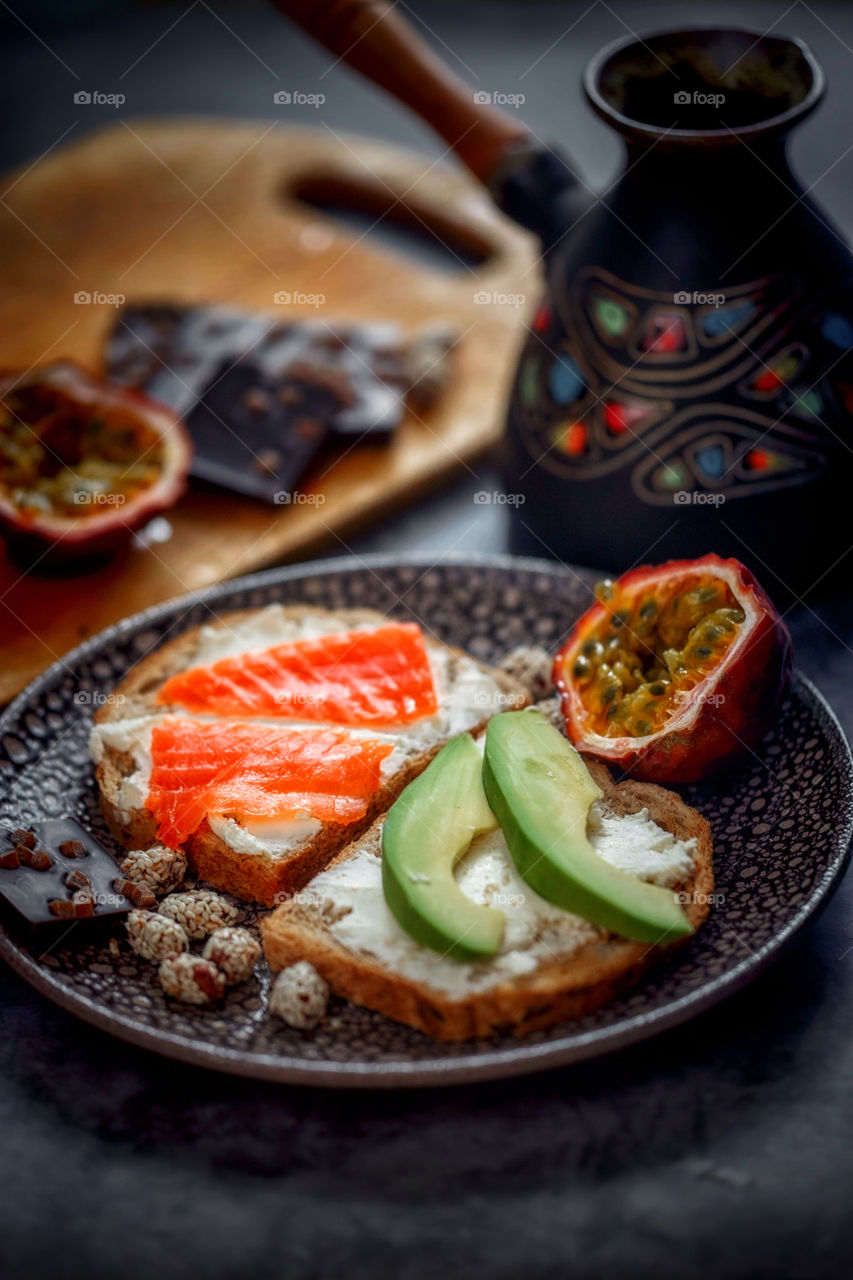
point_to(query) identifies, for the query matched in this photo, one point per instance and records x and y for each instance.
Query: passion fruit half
(676, 670)
(82, 463)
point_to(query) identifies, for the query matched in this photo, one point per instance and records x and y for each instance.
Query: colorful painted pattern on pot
(733, 393)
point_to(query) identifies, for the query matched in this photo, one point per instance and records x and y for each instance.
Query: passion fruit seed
(604, 589)
(628, 679)
(634, 680)
(672, 660)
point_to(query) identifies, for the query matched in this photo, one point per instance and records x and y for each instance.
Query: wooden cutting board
(209, 211)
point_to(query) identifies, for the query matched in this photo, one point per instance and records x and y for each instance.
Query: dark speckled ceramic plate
(781, 828)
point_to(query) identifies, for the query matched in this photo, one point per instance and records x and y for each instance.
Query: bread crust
(555, 992)
(255, 877)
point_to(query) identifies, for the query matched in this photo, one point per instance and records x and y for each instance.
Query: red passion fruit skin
(726, 713)
(55, 538)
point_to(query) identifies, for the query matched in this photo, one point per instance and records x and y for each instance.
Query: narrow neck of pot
(709, 90)
(744, 168)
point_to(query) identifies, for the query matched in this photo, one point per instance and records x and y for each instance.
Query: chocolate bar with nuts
(261, 395)
(54, 870)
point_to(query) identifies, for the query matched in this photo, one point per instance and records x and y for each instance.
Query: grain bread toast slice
(265, 874)
(561, 986)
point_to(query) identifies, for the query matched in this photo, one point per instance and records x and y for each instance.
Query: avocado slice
(541, 792)
(427, 830)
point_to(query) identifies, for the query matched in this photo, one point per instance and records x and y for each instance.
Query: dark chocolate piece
(247, 439)
(33, 895)
(352, 381)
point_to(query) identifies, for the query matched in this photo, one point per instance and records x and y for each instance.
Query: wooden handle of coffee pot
(372, 37)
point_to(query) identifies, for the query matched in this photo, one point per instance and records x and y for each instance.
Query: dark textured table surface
(723, 1148)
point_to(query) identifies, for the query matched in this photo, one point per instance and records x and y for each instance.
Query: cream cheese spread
(349, 896)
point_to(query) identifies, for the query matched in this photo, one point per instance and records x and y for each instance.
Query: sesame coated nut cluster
(531, 666)
(234, 952)
(191, 978)
(161, 869)
(164, 933)
(153, 936)
(299, 996)
(200, 911)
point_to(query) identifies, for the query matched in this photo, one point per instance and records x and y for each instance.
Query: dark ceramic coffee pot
(687, 383)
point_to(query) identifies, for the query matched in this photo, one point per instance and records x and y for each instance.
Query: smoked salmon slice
(257, 771)
(359, 678)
